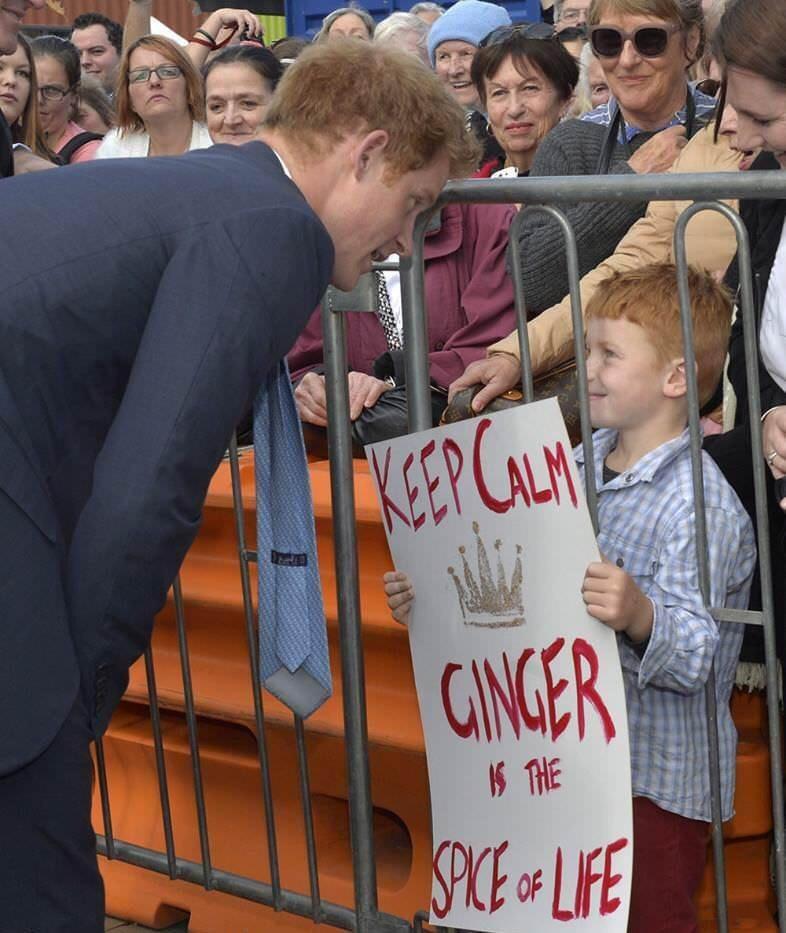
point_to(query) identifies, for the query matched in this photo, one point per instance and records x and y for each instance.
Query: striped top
(647, 525)
(604, 114)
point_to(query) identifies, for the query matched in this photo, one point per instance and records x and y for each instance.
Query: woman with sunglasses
(160, 103)
(645, 48)
(525, 85)
(58, 74)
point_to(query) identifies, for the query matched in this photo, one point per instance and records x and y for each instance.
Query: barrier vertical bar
(193, 734)
(414, 317)
(572, 256)
(158, 745)
(702, 558)
(106, 811)
(253, 659)
(519, 298)
(308, 819)
(747, 310)
(348, 596)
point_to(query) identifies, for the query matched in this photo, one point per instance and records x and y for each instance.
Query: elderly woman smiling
(525, 86)
(452, 43)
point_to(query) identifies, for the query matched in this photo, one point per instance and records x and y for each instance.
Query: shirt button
(439, 345)
(628, 477)
(620, 562)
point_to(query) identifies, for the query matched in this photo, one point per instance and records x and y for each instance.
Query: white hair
(397, 23)
(426, 6)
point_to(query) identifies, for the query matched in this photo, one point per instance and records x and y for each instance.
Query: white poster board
(520, 690)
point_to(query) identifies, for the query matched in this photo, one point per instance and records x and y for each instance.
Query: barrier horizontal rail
(559, 189)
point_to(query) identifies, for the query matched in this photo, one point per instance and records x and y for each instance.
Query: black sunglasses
(709, 86)
(525, 30)
(649, 41)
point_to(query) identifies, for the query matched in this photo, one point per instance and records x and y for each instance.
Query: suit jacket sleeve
(229, 305)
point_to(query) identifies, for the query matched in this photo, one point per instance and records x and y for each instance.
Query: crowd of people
(611, 87)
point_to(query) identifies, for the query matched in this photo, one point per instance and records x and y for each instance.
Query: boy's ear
(675, 383)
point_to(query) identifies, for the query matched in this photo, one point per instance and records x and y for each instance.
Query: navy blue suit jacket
(143, 302)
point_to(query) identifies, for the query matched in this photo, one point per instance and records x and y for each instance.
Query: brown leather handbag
(560, 383)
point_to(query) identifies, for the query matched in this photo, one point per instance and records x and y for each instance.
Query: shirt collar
(644, 471)
(604, 114)
(284, 167)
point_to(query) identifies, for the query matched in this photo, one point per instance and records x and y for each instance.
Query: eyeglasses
(649, 41)
(525, 30)
(163, 73)
(53, 92)
(572, 16)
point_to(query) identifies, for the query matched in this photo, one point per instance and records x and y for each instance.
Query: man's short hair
(648, 297)
(345, 86)
(114, 31)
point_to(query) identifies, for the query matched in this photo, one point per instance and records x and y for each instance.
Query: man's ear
(368, 152)
(675, 382)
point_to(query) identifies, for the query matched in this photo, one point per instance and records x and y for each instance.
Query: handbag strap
(618, 127)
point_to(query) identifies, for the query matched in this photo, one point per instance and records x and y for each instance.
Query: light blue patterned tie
(293, 648)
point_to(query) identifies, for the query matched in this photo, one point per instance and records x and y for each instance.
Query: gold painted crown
(485, 601)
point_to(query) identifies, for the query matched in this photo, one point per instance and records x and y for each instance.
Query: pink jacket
(469, 299)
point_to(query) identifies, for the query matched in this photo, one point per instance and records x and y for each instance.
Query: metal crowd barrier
(538, 194)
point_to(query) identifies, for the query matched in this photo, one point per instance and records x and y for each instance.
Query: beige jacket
(709, 241)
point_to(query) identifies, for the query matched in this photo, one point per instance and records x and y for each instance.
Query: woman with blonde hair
(160, 103)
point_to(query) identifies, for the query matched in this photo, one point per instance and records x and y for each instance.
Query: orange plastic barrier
(234, 804)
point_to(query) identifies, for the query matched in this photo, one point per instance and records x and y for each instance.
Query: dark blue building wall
(304, 17)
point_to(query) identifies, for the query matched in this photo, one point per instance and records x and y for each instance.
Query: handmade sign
(520, 690)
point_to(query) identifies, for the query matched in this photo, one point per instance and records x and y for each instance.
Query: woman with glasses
(525, 86)
(160, 103)
(58, 75)
(645, 48)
